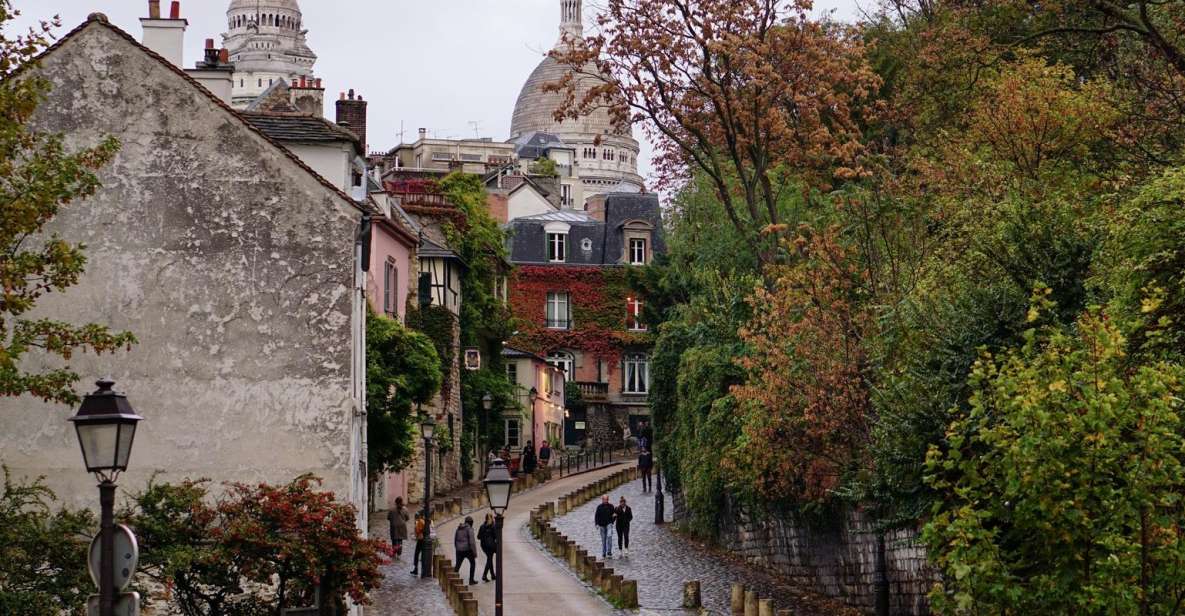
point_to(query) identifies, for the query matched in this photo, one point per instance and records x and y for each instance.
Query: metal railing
(583, 460)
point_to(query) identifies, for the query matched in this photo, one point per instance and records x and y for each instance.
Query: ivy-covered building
(570, 295)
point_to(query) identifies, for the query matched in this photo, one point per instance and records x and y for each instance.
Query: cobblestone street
(661, 560)
(403, 594)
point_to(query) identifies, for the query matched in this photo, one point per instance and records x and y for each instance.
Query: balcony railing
(594, 392)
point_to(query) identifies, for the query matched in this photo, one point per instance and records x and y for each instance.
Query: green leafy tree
(1062, 482)
(402, 372)
(38, 176)
(42, 552)
(543, 166)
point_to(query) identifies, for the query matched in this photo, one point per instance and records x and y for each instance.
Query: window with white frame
(564, 361)
(637, 373)
(633, 315)
(557, 247)
(512, 372)
(637, 251)
(513, 433)
(390, 288)
(559, 310)
(566, 195)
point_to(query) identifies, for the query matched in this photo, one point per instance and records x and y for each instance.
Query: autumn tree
(748, 93)
(805, 404)
(38, 176)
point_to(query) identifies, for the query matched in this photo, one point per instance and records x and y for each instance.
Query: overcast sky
(439, 64)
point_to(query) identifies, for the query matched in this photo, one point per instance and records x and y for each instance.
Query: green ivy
(403, 370)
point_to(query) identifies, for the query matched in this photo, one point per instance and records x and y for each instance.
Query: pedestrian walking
(487, 536)
(645, 465)
(529, 461)
(415, 563)
(604, 519)
(544, 455)
(465, 548)
(397, 518)
(645, 435)
(623, 515)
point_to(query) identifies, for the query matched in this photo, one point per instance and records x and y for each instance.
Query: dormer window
(557, 247)
(557, 241)
(637, 251)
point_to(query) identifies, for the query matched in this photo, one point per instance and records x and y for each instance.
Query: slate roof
(605, 241)
(535, 145)
(300, 128)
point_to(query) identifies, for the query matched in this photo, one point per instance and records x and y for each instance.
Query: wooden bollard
(629, 594)
(691, 595)
(562, 506)
(737, 602)
(785, 612)
(613, 588)
(765, 607)
(750, 603)
(605, 581)
(573, 558)
(470, 607)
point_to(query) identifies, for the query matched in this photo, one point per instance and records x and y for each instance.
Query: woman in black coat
(623, 516)
(487, 536)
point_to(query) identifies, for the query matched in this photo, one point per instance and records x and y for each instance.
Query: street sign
(126, 604)
(127, 555)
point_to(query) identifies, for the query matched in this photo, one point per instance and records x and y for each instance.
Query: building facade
(539, 391)
(602, 158)
(569, 290)
(233, 262)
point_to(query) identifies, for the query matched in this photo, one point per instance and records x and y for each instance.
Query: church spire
(571, 19)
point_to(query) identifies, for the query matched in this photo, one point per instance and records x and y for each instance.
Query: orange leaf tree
(805, 406)
(751, 93)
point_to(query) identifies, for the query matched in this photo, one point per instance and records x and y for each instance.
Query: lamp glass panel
(427, 429)
(498, 493)
(99, 441)
(127, 432)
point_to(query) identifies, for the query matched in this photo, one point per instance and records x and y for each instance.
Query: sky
(454, 67)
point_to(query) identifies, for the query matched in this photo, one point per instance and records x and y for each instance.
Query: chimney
(423, 133)
(165, 36)
(214, 71)
(351, 111)
(212, 54)
(308, 96)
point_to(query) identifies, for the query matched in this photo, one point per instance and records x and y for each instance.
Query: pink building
(541, 409)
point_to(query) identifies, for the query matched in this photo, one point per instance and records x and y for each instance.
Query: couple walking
(620, 517)
(465, 547)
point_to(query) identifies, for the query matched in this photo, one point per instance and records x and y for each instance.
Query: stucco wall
(332, 161)
(387, 247)
(230, 263)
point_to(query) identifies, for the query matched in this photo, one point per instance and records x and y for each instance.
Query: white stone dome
(535, 109)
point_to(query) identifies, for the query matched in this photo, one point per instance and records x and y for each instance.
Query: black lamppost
(534, 398)
(659, 502)
(106, 426)
(427, 428)
(487, 403)
(497, 484)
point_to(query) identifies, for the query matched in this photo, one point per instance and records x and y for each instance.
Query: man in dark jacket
(487, 535)
(645, 464)
(466, 548)
(604, 518)
(544, 454)
(529, 458)
(623, 515)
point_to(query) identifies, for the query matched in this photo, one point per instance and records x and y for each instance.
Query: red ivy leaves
(599, 296)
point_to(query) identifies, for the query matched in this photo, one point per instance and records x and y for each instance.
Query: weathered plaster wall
(332, 161)
(229, 262)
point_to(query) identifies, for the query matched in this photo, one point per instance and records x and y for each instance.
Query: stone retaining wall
(839, 561)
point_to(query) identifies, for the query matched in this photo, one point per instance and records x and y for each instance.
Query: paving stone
(401, 593)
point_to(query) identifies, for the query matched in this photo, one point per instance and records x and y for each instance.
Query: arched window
(564, 361)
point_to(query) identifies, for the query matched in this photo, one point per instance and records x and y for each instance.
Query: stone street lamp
(106, 427)
(497, 483)
(427, 429)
